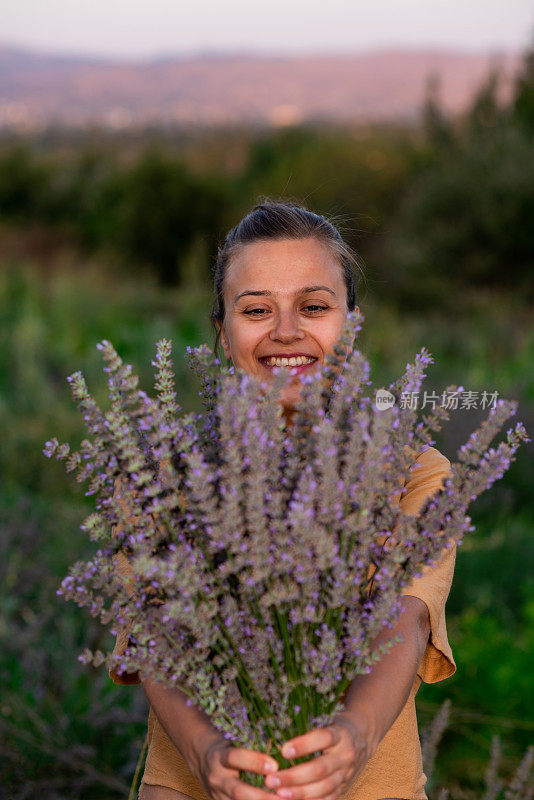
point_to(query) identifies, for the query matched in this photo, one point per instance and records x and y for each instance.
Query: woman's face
(285, 305)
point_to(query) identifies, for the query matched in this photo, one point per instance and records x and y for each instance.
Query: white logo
(384, 399)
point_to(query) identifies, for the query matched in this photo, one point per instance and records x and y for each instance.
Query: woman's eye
(256, 311)
(311, 308)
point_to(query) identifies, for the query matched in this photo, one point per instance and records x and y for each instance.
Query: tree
(523, 107)
(162, 209)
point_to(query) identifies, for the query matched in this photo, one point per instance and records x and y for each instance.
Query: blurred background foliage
(107, 235)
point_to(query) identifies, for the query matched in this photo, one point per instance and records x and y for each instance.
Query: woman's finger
(320, 789)
(317, 769)
(251, 760)
(236, 789)
(313, 788)
(311, 742)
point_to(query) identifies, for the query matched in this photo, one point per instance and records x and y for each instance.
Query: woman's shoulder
(427, 473)
(428, 459)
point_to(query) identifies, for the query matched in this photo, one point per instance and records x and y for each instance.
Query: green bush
(67, 731)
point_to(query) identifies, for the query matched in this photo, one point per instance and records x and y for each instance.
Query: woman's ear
(224, 341)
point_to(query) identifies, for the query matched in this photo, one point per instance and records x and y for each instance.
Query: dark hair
(281, 220)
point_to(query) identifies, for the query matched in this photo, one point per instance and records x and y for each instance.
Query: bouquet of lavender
(262, 560)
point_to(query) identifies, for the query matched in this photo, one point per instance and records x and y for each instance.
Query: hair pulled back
(271, 220)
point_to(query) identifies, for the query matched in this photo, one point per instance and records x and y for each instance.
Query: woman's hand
(218, 764)
(213, 760)
(346, 747)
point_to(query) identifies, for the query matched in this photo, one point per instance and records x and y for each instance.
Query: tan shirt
(395, 770)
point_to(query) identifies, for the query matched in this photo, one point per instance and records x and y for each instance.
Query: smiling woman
(284, 283)
(290, 324)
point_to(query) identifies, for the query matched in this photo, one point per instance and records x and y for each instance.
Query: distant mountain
(38, 89)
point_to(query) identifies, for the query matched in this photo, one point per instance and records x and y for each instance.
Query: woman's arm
(213, 761)
(380, 696)
(372, 704)
(188, 727)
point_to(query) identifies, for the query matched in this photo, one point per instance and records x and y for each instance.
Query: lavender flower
(237, 552)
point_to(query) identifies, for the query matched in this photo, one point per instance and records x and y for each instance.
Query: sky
(152, 28)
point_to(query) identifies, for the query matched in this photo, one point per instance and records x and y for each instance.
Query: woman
(284, 283)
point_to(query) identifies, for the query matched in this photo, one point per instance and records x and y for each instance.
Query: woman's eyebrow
(265, 292)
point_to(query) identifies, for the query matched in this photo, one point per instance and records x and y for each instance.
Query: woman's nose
(286, 328)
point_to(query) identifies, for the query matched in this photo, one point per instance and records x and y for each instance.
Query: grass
(67, 731)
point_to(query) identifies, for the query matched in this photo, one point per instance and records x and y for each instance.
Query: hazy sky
(163, 27)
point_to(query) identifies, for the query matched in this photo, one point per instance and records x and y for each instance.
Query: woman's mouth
(297, 362)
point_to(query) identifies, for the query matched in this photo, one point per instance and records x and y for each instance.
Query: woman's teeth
(299, 361)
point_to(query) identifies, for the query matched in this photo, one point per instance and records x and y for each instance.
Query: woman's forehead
(284, 265)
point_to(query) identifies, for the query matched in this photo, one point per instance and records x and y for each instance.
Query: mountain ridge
(387, 84)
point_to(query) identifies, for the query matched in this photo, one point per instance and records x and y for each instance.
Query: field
(444, 223)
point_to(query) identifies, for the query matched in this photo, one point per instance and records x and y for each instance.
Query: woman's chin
(290, 396)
